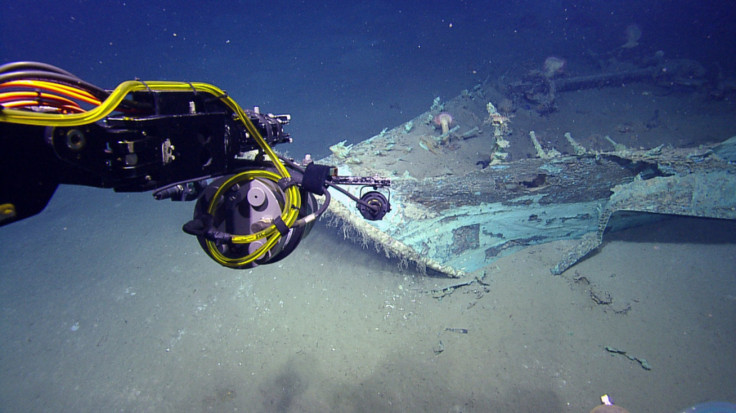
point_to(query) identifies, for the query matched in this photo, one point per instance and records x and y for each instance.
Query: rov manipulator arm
(181, 140)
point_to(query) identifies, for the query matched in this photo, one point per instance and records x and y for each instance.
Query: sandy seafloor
(106, 305)
(116, 309)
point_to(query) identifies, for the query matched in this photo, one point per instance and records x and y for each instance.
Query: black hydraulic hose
(16, 66)
(321, 210)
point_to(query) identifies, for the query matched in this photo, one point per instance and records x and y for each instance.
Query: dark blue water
(346, 70)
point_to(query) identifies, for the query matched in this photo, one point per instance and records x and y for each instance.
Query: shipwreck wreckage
(458, 220)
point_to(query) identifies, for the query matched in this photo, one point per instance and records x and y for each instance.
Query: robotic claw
(182, 140)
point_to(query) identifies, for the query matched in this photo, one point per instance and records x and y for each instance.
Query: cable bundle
(44, 88)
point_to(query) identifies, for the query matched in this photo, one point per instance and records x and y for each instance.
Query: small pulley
(374, 205)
